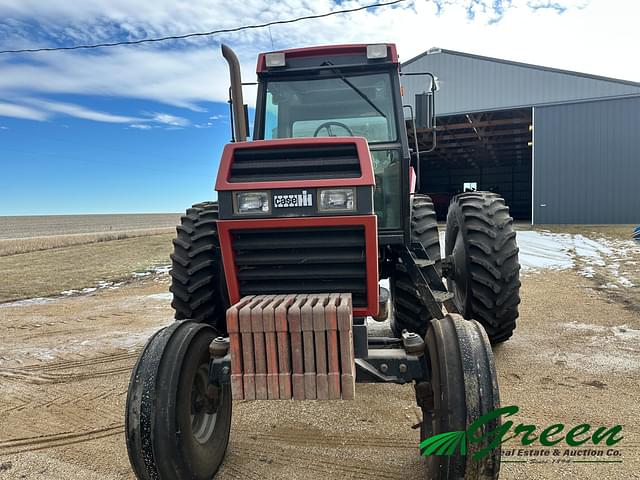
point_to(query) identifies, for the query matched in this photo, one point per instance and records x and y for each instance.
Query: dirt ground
(65, 365)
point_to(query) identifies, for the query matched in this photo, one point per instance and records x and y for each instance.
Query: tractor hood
(295, 163)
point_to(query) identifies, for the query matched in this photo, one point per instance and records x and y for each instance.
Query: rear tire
(464, 387)
(484, 276)
(409, 313)
(197, 276)
(173, 429)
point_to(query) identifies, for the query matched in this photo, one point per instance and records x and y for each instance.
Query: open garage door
(479, 151)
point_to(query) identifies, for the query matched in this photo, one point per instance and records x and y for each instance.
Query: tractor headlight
(252, 202)
(337, 199)
(275, 59)
(377, 51)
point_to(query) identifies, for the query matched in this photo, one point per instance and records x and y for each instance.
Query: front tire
(482, 262)
(176, 424)
(464, 387)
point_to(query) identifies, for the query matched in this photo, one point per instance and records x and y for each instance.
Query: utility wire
(204, 34)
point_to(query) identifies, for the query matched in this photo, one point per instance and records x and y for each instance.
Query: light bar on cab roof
(377, 51)
(275, 59)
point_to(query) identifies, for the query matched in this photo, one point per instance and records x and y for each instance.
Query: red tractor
(322, 204)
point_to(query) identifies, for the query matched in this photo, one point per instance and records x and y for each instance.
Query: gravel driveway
(65, 363)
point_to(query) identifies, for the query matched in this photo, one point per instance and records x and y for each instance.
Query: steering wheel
(330, 124)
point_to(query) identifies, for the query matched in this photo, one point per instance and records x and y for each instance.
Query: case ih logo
(303, 199)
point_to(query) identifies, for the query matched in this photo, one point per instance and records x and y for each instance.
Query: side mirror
(424, 110)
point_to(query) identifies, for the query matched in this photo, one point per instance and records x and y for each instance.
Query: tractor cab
(341, 91)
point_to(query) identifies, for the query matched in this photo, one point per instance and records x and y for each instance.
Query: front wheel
(177, 424)
(463, 388)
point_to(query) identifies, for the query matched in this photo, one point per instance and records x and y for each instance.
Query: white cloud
(2, 127)
(172, 120)
(78, 111)
(593, 37)
(41, 110)
(180, 78)
(21, 111)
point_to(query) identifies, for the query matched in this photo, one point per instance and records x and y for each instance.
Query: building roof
(472, 83)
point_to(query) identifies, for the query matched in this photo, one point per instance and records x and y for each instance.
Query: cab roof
(329, 51)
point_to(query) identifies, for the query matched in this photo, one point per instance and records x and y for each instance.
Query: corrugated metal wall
(586, 166)
(469, 83)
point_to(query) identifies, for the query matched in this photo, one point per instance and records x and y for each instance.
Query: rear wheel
(176, 423)
(464, 387)
(197, 276)
(409, 312)
(482, 267)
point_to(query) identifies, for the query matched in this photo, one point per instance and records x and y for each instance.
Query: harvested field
(50, 255)
(65, 364)
(49, 225)
(13, 246)
(68, 269)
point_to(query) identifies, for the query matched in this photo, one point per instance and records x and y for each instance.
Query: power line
(204, 34)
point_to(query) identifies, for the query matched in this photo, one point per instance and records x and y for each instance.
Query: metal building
(560, 146)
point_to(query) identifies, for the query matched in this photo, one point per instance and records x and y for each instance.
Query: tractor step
(423, 262)
(292, 346)
(441, 297)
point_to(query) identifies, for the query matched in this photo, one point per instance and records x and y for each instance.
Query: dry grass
(35, 244)
(49, 272)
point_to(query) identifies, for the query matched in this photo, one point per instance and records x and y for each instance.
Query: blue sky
(140, 129)
(72, 165)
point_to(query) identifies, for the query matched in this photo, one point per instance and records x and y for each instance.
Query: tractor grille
(295, 163)
(302, 260)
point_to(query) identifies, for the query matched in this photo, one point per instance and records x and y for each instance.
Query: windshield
(359, 106)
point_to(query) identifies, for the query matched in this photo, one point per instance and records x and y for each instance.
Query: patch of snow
(587, 271)
(621, 352)
(625, 282)
(45, 354)
(129, 340)
(161, 296)
(539, 250)
(594, 250)
(544, 250)
(26, 302)
(161, 270)
(622, 332)
(604, 362)
(614, 269)
(584, 327)
(626, 333)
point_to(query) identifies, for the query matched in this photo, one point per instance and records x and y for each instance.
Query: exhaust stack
(237, 102)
